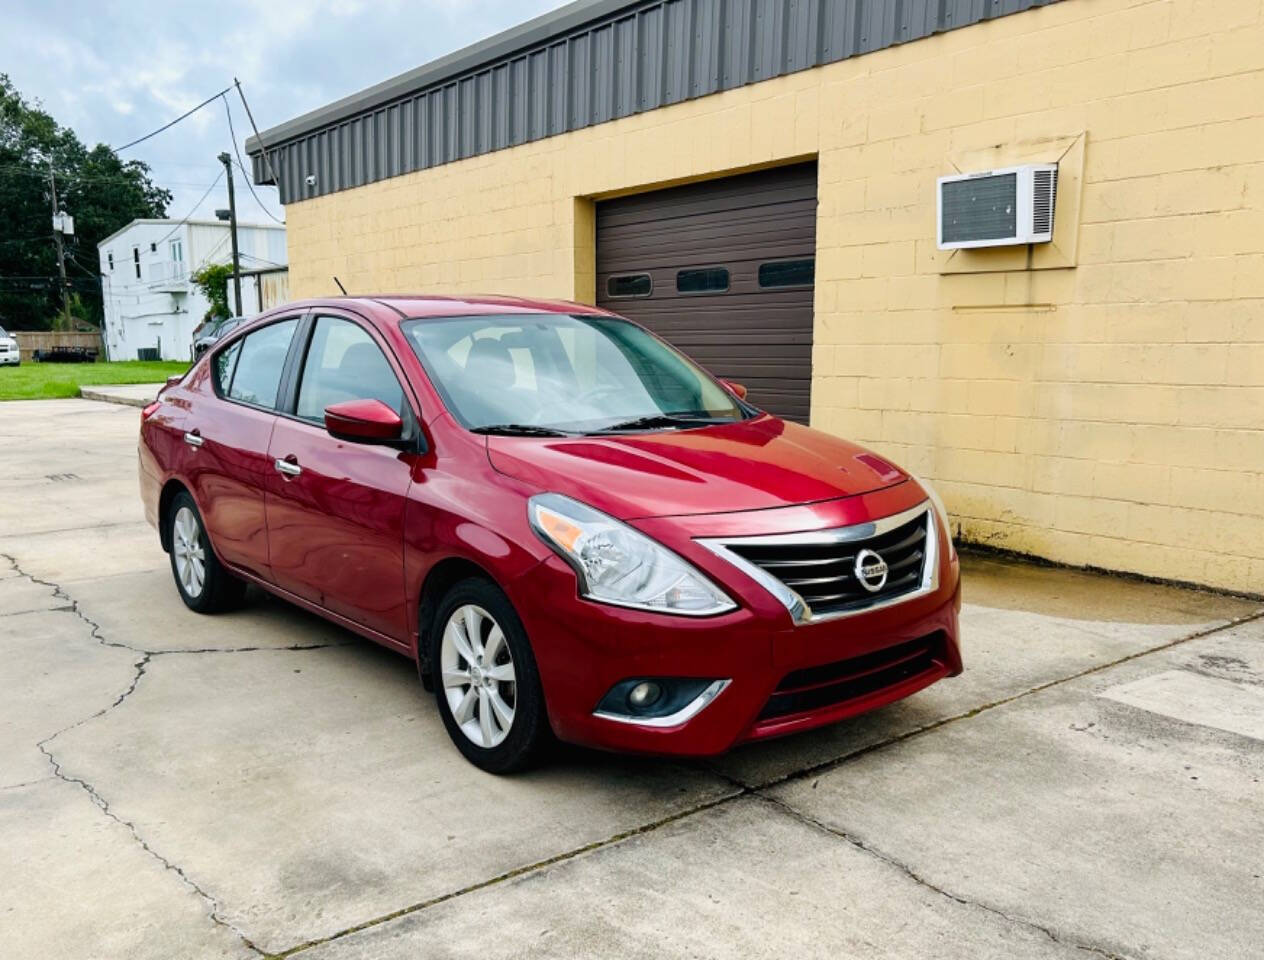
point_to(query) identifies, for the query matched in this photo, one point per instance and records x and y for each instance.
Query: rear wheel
(485, 679)
(203, 582)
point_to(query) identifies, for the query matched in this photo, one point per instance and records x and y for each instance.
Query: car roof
(420, 306)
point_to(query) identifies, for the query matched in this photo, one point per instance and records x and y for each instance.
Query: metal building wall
(629, 58)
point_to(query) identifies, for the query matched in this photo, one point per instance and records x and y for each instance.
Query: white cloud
(115, 73)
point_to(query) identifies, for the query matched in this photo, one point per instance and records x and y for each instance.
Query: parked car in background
(10, 355)
(572, 528)
(207, 333)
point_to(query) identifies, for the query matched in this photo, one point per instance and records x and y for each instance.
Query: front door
(335, 510)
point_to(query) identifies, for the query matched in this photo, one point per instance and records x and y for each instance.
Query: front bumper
(11, 359)
(783, 678)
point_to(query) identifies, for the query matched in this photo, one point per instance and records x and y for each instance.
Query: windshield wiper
(663, 420)
(519, 430)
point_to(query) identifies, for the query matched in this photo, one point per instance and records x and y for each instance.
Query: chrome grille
(817, 574)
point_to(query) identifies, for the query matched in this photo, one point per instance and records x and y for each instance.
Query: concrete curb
(107, 396)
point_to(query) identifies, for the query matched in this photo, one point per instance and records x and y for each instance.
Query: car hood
(750, 465)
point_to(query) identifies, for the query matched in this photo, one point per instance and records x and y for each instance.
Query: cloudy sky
(115, 72)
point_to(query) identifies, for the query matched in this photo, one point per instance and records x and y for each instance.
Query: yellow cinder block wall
(1107, 414)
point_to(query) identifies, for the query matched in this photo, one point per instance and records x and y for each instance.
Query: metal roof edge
(522, 37)
(197, 222)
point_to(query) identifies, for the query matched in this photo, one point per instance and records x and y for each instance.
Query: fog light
(644, 695)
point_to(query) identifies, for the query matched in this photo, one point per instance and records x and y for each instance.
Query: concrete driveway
(263, 783)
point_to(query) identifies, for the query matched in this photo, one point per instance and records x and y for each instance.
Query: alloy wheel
(477, 672)
(189, 553)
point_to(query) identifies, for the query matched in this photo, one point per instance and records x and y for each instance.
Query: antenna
(340, 286)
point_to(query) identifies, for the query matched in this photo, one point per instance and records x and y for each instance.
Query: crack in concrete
(211, 902)
(921, 881)
(743, 789)
(22, 613)
(140, 666)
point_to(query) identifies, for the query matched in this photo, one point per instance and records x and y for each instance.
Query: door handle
(287, 467)
(193, 439)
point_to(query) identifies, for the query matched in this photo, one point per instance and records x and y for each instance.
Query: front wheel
(204, 584)
(486, 680)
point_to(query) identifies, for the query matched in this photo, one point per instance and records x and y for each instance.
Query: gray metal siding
(586, 64)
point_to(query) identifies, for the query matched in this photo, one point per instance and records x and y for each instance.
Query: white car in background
(9, 354)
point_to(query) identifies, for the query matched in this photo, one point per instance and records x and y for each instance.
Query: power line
(262, 146)
(40, 239)
(242, 166)
(167, 126)
(85, 178)
(189, 215)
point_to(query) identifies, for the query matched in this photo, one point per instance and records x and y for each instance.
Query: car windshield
(3, 334)
(537, 374)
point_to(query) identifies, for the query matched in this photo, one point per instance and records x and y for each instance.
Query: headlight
(941, 510)
(616, 564)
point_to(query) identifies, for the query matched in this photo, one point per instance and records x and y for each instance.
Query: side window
(343, 363)
(225, 364)
(258, 368)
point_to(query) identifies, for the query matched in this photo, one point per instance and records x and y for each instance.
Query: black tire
(218, 589)
(529, 732)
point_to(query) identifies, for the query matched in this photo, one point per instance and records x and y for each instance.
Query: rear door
(227, 432)
(335, 510)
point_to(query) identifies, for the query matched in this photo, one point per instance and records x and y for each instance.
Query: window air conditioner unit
(997, 208)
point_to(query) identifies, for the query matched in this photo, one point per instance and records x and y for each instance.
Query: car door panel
(335, 509)
(336, 528)
(229, 473)
(227, 432)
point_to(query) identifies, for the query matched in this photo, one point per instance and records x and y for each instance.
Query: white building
(150, 300)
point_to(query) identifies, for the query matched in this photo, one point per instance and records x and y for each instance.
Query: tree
(101, 191)
(212, 280)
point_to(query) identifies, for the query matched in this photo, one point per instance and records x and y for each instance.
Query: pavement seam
(867, 848)
(743, 789)
(563, 857)
(827, 765)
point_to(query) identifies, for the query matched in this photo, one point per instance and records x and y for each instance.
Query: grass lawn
(41, 381)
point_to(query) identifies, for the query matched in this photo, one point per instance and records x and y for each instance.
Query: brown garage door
(723, 270)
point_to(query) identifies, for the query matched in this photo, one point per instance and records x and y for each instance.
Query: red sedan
(569, 526)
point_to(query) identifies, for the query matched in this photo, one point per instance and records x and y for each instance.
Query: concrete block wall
(1106, 413)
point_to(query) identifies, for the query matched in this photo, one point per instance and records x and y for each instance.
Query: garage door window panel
(629, 286)
(702, 280)
(787, 273)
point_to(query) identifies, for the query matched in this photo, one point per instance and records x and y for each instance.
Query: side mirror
(738, 389)
(363, 421)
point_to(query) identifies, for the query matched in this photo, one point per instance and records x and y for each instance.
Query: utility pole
(227, 161)
(61, 253)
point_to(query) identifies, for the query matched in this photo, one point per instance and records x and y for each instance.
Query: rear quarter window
(222, 368)
(256, 376)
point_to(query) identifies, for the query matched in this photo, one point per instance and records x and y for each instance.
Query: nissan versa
(572, 528)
